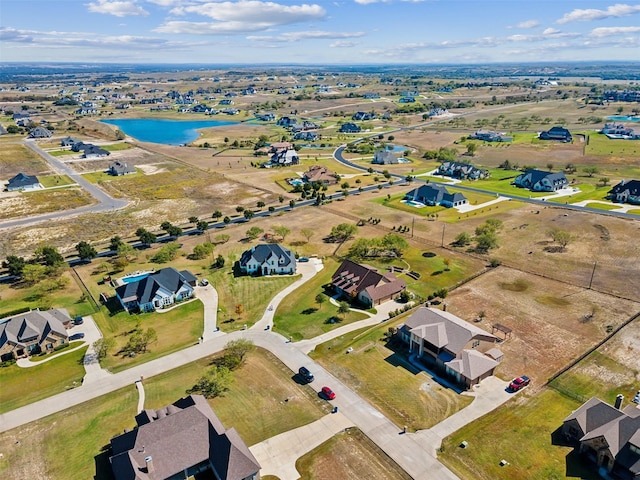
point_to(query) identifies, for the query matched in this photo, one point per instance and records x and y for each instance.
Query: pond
(167, 132)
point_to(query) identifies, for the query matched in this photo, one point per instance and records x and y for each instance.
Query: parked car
(204, 282)
(78, 320)
(303, 259)
(519, 383)
(306, 375)
(327, 393)
(76, 336)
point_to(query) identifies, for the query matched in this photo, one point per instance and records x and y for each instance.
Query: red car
(519, 383)
(328, 393)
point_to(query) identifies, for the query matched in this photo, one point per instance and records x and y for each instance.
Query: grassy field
(520, 433)
(99, 177)
(254, 406)
(117, 147)
(61, 153)
(21, 386)
(601, 145)
(299, 316)
(16, 158)
(177, 328)
(383, 376)
(55, 181)
(349, 454)
(37, 202)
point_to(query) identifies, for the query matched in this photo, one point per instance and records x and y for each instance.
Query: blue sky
(318, 32)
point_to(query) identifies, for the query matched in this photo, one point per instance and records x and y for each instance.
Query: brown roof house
(180, 441)
(607, 436)
(365, 284)
(460, 349)
(318, 173)
(33, 332)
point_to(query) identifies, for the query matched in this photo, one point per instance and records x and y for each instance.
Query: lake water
(167, 132)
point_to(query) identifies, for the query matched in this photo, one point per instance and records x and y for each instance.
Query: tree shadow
(309, 311)
(103, 466)
(436, 273)
(554, 249)
(428, 254)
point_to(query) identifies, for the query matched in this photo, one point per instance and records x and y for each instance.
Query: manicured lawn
(349, 454)
(21, 386)
(602, 206)
(55, 181)
(383, 376)
(177, 328)
(299, 316)
(255, 406)
(98, 177)
(520, 433)
(601, 145)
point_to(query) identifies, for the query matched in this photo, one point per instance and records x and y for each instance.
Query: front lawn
(21, 386)
(406, 395)
(55, 181)
(299, 316)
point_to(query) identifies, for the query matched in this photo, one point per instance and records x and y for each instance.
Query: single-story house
(556, 133)
(364, 116)
(436, 195)
(461, 170)
(459, 348)
(40, 132)
(349, 128)
(384, 157)
(158, 290)
(606, 436)
(285, 157)
(180, 441)
(285, 122)
(33, 332)
(119, 168)
(365, 284)
(319, 173)
(541, 181)
(68, 142)
(307, 136)
(490, 136)
(22, 182)
(93, 151)
(268, 259)
(627, 191)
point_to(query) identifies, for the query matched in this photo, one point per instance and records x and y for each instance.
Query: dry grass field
(16, 158)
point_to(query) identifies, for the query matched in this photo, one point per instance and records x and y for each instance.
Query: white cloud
(528, 24)
(296, 36)
(589, 14)
(369, 2)
(550, 31)
(164, 3)
(609, 31)
(343, 44)
(125, 8)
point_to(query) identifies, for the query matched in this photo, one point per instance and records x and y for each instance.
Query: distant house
(461, 170)
(364, 116)
(40, 132)
(285, 122)
(541, 181)
(226, 101)
(556, 133)
(490, 136)
(384, 157)
(365, 285)
(285, 157)
(459, 348)
(158, 290)
(93, 151)
(619, 131)
(180, 441)
(22, 182)
(119, 168)
(438, 112)
(268, 259)
(33, 332)
(626, 192)
(266, 117)
(308, 136)
(436, 195)
(318, 173)
(606, 436)
(68, 142)
(349, 128)
(87, 111)
(407, 100)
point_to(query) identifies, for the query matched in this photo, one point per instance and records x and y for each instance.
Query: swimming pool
(624, 118)
(134, 278)
(295, 181)
(413, 203)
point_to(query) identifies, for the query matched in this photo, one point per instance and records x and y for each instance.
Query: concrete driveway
(209, 298)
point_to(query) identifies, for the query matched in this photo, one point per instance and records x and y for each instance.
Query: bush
(8, 363)
(60, 347)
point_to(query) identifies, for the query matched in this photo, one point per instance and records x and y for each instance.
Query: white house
(268, 259)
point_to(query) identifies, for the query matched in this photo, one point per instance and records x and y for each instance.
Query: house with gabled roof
(627, 191)
(384, 157)
(435, 195)
(22, 182)
(607, 436)
(181, 441)
(33, 332)
(556, 133)
(541, 181)
(68, 142)
(268, 259)
(119, 168)
(319, 173)
(349, 128)
(40, 132)
(365, 284)
(93, 151)
(157, 290)
(461, 170)
(462, 350)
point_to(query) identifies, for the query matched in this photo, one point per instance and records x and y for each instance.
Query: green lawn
(254, 406)
(299, 316)
(602, 206)
(116, 147)
(601, 145)
(98, 177)
(55, 181)
(382, 376)
(61, 153)
(21, 386)
(177, 328)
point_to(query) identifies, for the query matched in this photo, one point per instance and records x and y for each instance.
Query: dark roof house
(181, 441)
(556, 133)
(118, 168)
(435, 195)
(384, 157)
(627, 191)
(268, 259)
(349, 128)
(365, 284)
(157, 290)
(461, 170)
(40, 132)
(541, 181)
(23, 182)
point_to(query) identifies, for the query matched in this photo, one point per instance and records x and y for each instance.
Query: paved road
(105, 201)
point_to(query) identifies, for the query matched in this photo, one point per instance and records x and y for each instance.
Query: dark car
(519, 383)
(306, 375)
(78, 320)
(303, 259)
(328, 393)
(76, 336)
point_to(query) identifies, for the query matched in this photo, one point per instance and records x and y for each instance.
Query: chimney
(619, 399)
(149, 463)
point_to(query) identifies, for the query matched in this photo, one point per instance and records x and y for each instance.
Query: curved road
(106, 202)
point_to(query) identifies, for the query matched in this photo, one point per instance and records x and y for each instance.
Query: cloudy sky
(318, 32)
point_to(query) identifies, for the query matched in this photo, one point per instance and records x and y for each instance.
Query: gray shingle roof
(264, 251)
(143, 291)
(31, 325)
(21, 180)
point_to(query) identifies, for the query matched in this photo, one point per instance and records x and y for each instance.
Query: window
(475, 344)
(634, 448)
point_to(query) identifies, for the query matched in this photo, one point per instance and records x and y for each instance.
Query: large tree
(49, 256)
(214, 383)
(86, 251)
(343, 232)
(281, 231)
(254, 232)
(14, 265)
(146, 237)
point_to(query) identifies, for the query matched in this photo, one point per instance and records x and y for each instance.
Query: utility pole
(593, 272)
